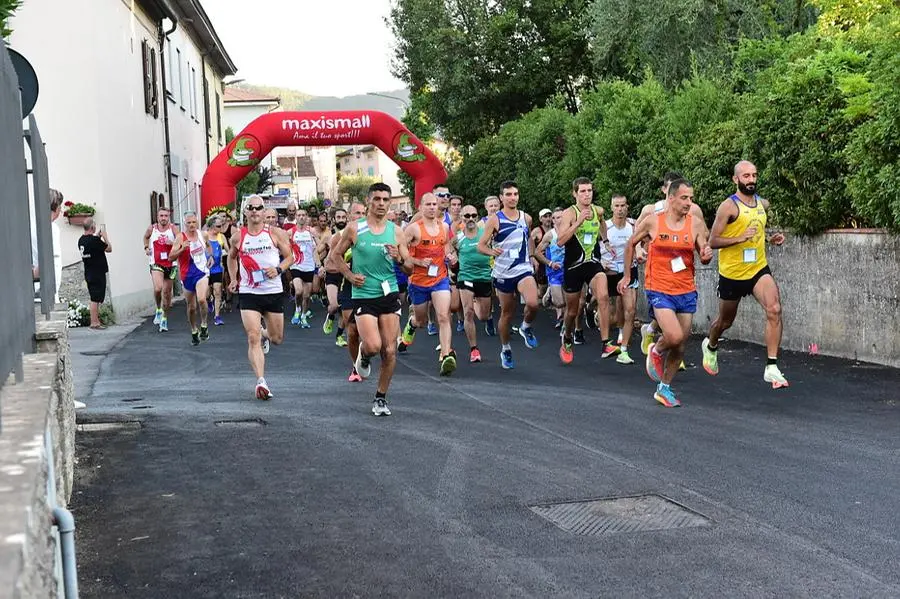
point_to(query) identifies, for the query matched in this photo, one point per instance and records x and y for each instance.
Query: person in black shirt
(94, 248)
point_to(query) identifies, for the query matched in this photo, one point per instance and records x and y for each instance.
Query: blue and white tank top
(553, 252)
(512, 238)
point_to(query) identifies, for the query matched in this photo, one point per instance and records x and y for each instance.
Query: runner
(271, 217)
(444, 198)
(194, 259)
(555, 272)
(456, 225)
(376, 243)
(739, 232)
(491, 207)
(430, 249)
(257, 257)
(545, 224)
(506, 238)
(582, 231)
(219, 246)
(158, 241)
(669, 281)
(333, 280)
(474, 277)
(620, 228)
(290, 218)
(345, 299)
(304, 242)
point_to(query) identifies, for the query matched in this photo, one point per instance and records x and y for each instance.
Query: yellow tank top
(743, 260)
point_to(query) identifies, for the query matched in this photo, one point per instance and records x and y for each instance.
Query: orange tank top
(670, 259)
(430, 246)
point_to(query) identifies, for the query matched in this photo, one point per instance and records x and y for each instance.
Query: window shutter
(154, 84)
(145, 60)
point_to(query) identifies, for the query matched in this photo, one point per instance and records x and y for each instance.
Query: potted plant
(76, 213)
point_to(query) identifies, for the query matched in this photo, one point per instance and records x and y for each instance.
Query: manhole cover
(615, 515)
(129, 425)
(95, 353)
(244, 422)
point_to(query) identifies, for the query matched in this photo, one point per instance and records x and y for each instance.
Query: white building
(321, 161)
(110, 106)
(369, 161)
(243, 106)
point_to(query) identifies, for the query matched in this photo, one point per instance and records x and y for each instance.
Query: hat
(544, 211)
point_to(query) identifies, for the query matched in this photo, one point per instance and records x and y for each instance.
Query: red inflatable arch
(336, 128)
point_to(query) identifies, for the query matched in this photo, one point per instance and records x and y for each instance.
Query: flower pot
(78, 219)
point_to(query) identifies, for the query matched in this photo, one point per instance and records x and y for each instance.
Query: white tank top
(160, 244)
(618, 239)
(304, 250)
(512, 238)
(256, 253)
(660, 207)
(196, 252)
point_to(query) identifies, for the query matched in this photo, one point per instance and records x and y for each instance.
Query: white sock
(506, 346)
(525, 326)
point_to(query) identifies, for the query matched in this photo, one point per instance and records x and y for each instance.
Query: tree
(355, 186)
(7, 8)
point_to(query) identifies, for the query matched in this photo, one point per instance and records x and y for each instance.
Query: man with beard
(739, 233)
(333, 280)
(158, 242)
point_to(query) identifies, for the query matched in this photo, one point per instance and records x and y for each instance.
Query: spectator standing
(93, 249)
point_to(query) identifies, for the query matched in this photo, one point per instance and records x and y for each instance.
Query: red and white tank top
(255, 254)
(161, 243)
(195, 255)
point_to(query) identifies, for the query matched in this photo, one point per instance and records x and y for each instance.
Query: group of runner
(449, 260)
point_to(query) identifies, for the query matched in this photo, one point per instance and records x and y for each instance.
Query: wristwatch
(279, 270)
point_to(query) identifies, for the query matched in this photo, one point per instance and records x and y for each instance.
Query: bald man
(739, 233)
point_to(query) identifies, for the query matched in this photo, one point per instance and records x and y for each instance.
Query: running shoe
(401, 347)
(328, 326)
(646, 338)
(610, 350)
(195, 338)
(655, 364)
(380, 408)
(295, 319)
(263, 392)
(506, 359)
(531, 341)
(163, 324)
(624, 358)
(448, 364)
(489, 329)
(363, 364)
(773, 375)
(210, 306)
(566, 352)
(354, 377)
(460, 326)
(204, 333)
(218, 321)
(304, 322)
(340, 341)
(579, 337)
(666, 396)
(158, 316)
(710, 358)
(590, 317)
(409, 332)
(308, 314)
(265, 345)
(474, 356)
(432, 329)
(558, 325)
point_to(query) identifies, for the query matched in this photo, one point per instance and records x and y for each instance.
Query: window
(218, 117)
(151, 84)
(180, 80)
(193, 83)
(206, 107)
(371, 171)
(170, 67)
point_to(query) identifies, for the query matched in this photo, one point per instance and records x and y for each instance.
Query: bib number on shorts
(678, 264)
(432, 270)
(749, 254)
(386, 287)
(259, 276)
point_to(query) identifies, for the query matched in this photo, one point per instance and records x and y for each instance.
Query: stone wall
(37, 439)
(839, 290)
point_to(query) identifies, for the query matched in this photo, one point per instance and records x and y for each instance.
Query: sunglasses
(256, 207)
(442, 194)
(469, 216)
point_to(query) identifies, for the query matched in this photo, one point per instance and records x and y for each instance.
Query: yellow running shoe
(647, 338)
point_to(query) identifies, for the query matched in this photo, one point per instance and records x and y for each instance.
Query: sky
(321, 47)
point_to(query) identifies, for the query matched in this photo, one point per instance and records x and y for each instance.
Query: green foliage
(256, 181)
(355, 186)
(71, 208)
(107, 314)
(7, 8)
(229, 135)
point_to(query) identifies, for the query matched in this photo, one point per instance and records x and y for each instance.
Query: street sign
(28, 81)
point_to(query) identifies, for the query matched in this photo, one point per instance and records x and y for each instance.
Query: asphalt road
(314, 497)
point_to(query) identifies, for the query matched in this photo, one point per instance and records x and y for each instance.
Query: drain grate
(125, 425)
(616, 515)
(95, 353)
(133, 399)
(242, 423)
(142, 408)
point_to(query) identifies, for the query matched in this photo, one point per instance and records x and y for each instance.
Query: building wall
(103, 149)
(372, 163)
(839, 290)
(216, 131)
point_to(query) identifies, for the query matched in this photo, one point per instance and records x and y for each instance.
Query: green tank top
(370, 258)
(473, 265)
(585, 239)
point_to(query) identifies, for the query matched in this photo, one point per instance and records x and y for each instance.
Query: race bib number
(432, 270)
(678, 264)
(258, 276)
(513, 253)
(588, 238)
(164, 255)
(386, 287)
(619, 266)
(468, 284)
(749, 254)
